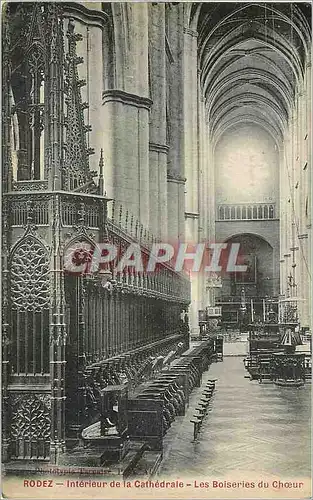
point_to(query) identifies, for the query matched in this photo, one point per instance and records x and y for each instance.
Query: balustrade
(255, 211)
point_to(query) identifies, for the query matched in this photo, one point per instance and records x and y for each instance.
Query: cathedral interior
(143, 123)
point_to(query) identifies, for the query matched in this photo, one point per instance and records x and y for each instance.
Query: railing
(74, 211)
(124, 222)
(246, 211)
(235, 299)
(164, 283)
(123, 229)
(259, 365)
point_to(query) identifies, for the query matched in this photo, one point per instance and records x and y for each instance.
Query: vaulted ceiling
(251, 57)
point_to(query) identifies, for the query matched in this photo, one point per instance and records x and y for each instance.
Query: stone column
(175, 207)
(304, 281)
(300, 201)
(125, 112)
(308, 183)
(126, 128)
(175, 122)
(203, 169)
(211, 187)
(292, 179)
(286, 206)
(304, 226)
(158, 189)
(158, 149)
(191, 135)
(206, 190)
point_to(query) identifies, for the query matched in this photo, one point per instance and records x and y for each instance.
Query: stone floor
(252, 429)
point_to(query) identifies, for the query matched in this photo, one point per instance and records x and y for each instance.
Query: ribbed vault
(251, 58)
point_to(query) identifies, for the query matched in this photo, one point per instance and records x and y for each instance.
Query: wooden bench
(203, 407)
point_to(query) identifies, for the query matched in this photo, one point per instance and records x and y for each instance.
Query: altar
(272, 354)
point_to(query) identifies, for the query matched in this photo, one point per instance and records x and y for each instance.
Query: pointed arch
(256, 48)
(30, 300)
(30, 426)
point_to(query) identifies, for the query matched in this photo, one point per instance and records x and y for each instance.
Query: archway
(259, 284)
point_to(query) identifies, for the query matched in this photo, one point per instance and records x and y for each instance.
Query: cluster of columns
(199, 192)
(134, 87)
(148, 116)
(296, 202)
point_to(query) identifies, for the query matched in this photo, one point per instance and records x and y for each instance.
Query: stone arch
(247, 119)
(29, 263)
(257, 253)
(229, 235)
(254, 234)
(30, 301)
(275, 37)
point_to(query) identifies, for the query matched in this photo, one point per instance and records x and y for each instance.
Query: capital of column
(192, 215)
(189, 31)
(175, 177)
(115, 95)
(159, 148)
